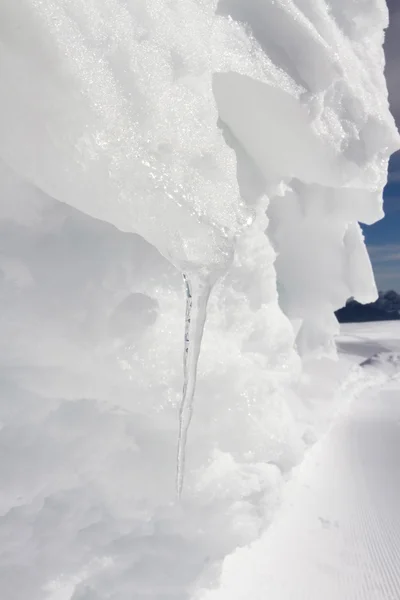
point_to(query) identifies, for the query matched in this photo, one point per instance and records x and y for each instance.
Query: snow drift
(127, 109)
(241, 140)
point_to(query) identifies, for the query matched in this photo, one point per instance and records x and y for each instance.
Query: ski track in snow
(337, 534)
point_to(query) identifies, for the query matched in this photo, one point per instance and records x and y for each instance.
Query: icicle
(197, 295)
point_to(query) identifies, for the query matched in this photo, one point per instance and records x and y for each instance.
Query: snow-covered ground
(337, 532)
(88, 505)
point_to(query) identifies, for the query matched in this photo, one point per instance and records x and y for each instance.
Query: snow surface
(338, 530)
(239, 143)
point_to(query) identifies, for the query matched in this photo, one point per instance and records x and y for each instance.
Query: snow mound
(121, 120)
(126, 122)
(236, 142)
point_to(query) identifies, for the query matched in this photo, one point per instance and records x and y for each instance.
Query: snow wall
(238, 142)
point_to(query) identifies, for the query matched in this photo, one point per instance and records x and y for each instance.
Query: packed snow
(337, 531)
(237, 144)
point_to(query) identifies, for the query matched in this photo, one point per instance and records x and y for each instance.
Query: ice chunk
(185, 121)
(124, 98)
(120, 120)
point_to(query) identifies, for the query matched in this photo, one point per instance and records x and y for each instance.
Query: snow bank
(240, 142)
(121, 122)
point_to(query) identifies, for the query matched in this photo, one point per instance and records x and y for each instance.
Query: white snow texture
(238, 142)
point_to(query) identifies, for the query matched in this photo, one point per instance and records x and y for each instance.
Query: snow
(337, 531)
(236, 143)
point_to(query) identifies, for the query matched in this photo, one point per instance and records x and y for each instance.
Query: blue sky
(383, 238)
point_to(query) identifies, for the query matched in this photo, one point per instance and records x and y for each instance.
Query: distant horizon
(385, 308)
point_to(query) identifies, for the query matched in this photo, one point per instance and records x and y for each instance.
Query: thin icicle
(197, 295)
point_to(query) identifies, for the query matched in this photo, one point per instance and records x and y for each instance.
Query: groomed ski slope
(337, 534)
